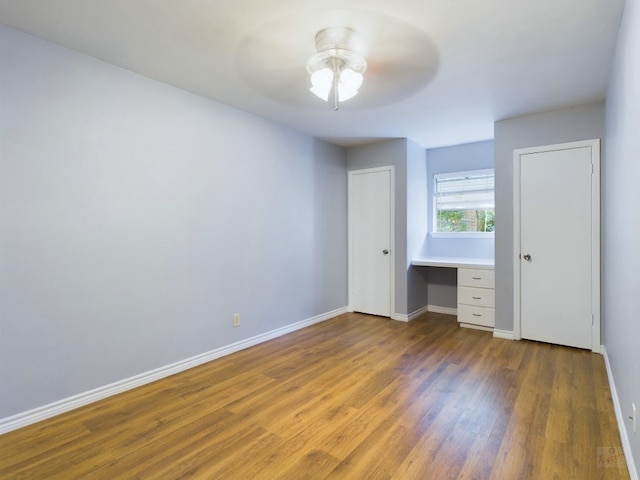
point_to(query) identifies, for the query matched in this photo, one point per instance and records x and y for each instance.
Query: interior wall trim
(401, 317)
(445, 310)
(624, 437)
(61, 406)
(418, 312)
(506, 334)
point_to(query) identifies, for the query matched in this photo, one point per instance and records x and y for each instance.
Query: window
(464, 202)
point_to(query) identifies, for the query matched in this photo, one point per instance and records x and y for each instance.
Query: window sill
(487, 235)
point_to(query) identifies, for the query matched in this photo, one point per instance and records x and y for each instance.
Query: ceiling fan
(381, 58)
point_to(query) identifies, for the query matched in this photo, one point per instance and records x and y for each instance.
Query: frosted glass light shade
(350, 82)
(321, 82)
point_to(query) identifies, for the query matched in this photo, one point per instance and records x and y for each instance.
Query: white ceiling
(440, 71)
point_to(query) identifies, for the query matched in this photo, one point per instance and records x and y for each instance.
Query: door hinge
(591, 168)
(593, 319)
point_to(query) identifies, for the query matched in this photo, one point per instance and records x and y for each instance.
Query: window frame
(434, 224)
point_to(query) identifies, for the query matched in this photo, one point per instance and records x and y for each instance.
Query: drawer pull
(477, 278)
(477, 315)
(477, 298)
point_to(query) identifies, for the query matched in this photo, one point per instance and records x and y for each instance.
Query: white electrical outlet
(633, 416)
(236, 320)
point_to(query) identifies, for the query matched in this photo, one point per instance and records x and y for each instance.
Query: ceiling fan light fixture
(336, 65)
(345, 94)
(321, 83)
(351, 80)
(349, 85)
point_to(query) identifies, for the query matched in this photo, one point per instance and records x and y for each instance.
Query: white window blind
(470, 191)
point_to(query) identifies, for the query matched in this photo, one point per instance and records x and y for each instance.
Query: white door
(370, 240)
(558, 252)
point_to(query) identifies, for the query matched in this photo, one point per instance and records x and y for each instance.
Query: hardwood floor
(355, 397)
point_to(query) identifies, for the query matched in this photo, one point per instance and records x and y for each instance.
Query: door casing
(595, 234)
(351, 175)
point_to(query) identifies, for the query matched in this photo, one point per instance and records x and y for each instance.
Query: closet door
(370, 240)
(557, 244)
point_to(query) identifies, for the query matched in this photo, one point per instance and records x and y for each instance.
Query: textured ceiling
(440, 71)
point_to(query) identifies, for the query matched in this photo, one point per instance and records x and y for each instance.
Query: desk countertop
(453, 262)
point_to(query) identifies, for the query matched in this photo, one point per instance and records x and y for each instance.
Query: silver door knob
(385, 251)
(527, 257)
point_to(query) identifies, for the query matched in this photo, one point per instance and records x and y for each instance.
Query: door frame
(392, 282)
(595, 234)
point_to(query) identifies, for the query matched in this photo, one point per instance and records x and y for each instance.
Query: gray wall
(409, 161)
(417, 286)
(458, 158)
(382, 154)
(621, 198)
(580, 123)
(136, 218)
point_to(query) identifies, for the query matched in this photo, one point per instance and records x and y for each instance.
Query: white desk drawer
(483, 297)
(475, 315)
(471, 277)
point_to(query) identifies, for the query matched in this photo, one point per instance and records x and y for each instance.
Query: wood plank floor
(355, 397)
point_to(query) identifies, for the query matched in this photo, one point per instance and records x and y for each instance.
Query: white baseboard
(445, 310)
(506, 334)
(401, 317)
(626, 445)
(417, 313)
(56, 408)
(475, 327)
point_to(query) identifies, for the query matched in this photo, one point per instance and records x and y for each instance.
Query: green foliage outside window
(466, 221)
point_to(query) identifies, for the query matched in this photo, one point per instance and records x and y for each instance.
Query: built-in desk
(454, 262)
(476, 297)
